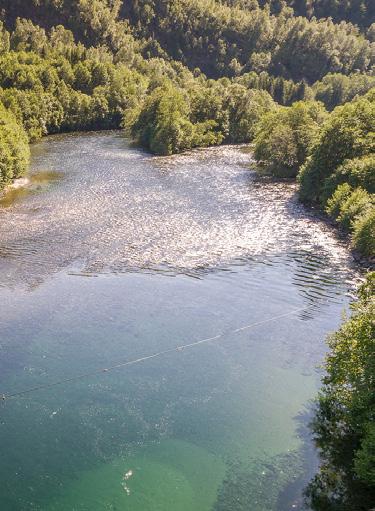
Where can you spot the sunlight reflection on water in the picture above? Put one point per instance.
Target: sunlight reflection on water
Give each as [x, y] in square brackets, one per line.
[116, 209]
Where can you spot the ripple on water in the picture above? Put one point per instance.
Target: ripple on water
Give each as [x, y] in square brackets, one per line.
[115, 208]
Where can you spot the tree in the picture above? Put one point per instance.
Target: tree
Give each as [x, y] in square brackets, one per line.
[163, 124]
[348, 205]
[285, 137]
[335, 88]
[347, 133]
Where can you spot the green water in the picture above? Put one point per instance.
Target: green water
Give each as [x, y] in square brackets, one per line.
[124, 256]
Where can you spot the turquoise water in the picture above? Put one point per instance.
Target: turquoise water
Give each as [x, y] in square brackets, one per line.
[121, 255]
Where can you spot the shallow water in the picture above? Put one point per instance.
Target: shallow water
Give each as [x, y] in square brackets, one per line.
[111, 255]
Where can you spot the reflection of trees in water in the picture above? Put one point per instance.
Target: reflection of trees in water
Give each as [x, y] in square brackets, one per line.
[258, 488]
[336, 487]
[318, 279]
[275, 483]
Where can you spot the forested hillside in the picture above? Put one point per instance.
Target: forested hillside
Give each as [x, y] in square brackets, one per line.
[225, 41]
[359, 12]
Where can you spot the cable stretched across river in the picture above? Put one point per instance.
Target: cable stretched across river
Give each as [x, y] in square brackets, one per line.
[148, 357]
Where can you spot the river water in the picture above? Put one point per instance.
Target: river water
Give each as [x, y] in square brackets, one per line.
[111, 255]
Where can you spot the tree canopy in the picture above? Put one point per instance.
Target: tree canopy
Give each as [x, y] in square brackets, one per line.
[285, 136]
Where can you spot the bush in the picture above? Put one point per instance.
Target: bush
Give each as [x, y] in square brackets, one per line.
[364, 233]
[39, 112]
[163, 123]
[335, 88]
[364, 463]
[341, 194]
[347, 205]
[245, 108]
[357, 204]
[355, 172]
[14, 148]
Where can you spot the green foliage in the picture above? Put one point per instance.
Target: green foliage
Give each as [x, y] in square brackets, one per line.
[4, 39]
[39, 113]
[163, 125]
[360, 12]
[14, 149]
[364, 463]
[347, 205]
[336, 89]
[334, 203]
[28, 37]
[343, 426]
[355, 172]
[285, 92]
[222, 38]
[340, 172]
[364, 233]
[245, 108]
[357, 204]
[349, 132]
[54, 93]
[232, 39]
[286, 136]
[234, 108]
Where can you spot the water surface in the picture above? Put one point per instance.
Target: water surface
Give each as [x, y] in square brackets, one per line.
[111, 255]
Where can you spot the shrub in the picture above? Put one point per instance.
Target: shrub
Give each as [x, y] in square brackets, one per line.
[341, 194]
[14, 148]
[355, 172]
[364, 233]
[346, 205]
[358, 203]
[163, 124]
[344, 422]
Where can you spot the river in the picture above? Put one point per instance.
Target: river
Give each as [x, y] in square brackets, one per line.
[111, 255]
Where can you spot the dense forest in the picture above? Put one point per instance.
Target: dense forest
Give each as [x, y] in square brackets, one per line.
[293, 78]
[358, 12]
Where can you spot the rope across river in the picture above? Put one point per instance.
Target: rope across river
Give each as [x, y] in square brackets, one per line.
[148, 357]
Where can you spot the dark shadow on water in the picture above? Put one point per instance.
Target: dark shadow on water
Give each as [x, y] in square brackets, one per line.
[291, 497]
[274, 484]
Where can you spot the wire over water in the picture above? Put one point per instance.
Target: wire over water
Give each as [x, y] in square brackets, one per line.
[148, 357]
